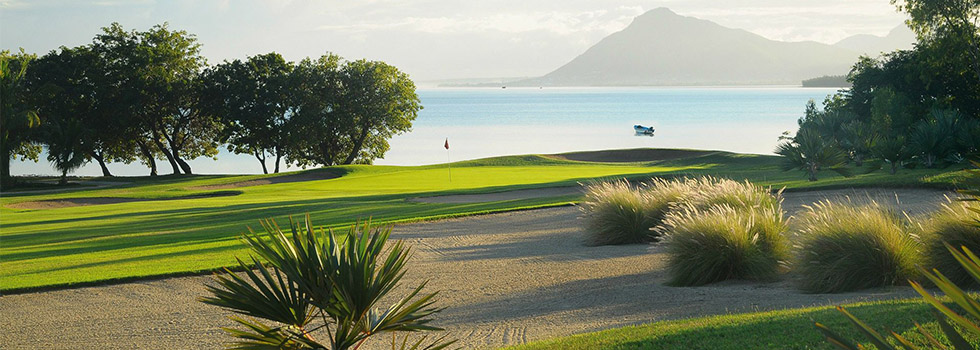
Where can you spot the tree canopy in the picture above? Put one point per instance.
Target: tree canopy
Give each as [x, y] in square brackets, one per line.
[150, 95]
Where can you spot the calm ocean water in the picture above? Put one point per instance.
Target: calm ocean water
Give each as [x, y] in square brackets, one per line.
[490, 122]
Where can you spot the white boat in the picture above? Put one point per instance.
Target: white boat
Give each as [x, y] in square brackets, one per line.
[643, 130]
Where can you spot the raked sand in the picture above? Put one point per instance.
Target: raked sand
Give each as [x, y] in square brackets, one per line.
[504, 279]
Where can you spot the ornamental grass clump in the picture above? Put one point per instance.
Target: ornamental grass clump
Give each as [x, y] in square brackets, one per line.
[620, 213]
[954, 224]
[709, 192]
[723, 242]
[844, 247]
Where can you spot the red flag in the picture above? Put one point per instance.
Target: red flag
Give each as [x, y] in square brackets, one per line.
[447, 144]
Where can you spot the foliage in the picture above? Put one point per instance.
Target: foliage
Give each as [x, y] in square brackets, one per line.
[254, 100]
[318, 276]
[954, 224]
[618, 213]
[65, 140]
[810, 152]
[844, 247]
[722, 242]
[934, 139]
[347, 111]
[158, 72]
[932, 20]
[17, 118]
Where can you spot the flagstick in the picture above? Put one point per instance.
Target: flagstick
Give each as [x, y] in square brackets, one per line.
[449, 163]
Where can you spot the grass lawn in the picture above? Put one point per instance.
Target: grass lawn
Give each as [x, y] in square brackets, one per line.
[112, 242]
[783, 329]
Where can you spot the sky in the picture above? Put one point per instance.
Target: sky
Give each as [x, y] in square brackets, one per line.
[429, 39]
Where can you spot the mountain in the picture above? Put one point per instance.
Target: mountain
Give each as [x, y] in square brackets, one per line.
[661, 47]
[900, 37]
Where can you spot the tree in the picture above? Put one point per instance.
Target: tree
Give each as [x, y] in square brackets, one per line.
[810, 152]
[318, 131]
[932, 19]
[18, 120]
[316, 276]
[158, 70]
[934, 139]
[254, 102]
[66, 140]
[381, 102]
[70, 84]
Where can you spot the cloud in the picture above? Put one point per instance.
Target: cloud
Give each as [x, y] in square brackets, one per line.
[557, 22]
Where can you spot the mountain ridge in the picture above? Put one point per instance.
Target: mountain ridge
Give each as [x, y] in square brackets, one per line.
[661, 47]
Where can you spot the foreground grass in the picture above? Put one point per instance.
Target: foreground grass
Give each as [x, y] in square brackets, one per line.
[112, 242]
[782, 329]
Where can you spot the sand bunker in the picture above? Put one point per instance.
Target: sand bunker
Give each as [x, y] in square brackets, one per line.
[78, 202]
[504, 279]
[631, 155]
[306, 176]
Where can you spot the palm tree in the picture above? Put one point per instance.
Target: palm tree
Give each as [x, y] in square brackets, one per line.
[65, 140]
[934, 139]
[856, 139]
[318, 277]
[809, 152]
[893, 150]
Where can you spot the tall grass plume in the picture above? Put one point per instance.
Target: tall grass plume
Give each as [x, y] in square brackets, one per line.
[622, 213]
[845, 247]
[723, 242]
[956, 224]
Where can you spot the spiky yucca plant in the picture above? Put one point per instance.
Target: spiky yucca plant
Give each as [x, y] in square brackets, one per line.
[844, 247]
[318, 280]
[722, 242]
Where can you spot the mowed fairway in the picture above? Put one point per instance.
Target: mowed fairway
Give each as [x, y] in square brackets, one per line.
[191, 224]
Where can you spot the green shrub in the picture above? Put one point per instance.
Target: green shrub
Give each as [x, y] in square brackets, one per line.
[620, 213]
[957, 225]
[722, 242]
[843, 247]
[708, 192]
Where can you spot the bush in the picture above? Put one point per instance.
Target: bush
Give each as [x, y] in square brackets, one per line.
[843, 247]
[312, 276]
[620, 213]
[957, 225]
[723, 242]
[708, 192]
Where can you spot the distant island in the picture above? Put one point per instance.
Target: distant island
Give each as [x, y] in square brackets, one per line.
[662, 48]
[828, 81]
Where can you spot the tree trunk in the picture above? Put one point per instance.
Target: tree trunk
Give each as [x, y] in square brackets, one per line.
[357, 145]
[858, 160]
[812, 171]
[64, 178]
[99, 158]
[170, 156]
[5, 179]
[150, 161]
[183, 165]
[278, 157]
[261, 157]
[894, 168]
